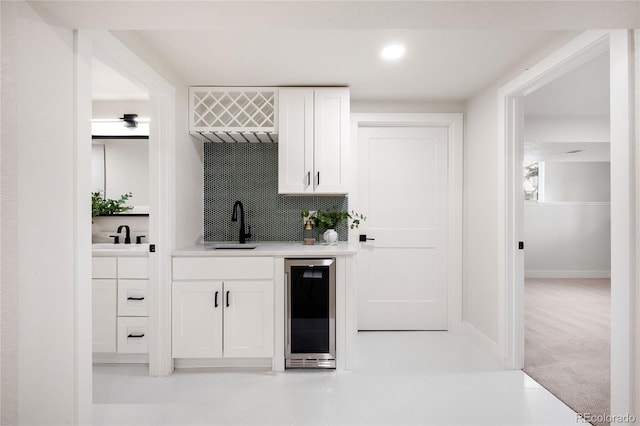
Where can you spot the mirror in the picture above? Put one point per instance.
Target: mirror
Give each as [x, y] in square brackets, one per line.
[121, 165]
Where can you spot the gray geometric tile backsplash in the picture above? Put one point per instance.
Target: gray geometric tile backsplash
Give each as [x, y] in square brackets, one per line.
[249, 172]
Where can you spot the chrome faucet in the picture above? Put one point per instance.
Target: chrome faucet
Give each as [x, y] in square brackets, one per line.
[234, 218]
[127, 237]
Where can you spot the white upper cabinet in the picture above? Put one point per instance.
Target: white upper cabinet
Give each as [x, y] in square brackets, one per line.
[313, 127]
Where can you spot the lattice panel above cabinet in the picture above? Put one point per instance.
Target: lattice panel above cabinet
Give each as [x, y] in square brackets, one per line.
[233, 114]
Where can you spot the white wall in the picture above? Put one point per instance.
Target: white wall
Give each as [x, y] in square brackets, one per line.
[189, 152]
[115, 109]
[361, 106]
[566, 129]
[577, 181]
[568, 233]
[38, 354]
[481, 306]
[567, 240]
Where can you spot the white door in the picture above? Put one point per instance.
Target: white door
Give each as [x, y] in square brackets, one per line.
[196, 319]
[402, 189]
[248, 319]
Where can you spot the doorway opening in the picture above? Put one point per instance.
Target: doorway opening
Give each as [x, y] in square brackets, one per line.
[566, 230]
[582, 49]
[111, 51]
[120, 175]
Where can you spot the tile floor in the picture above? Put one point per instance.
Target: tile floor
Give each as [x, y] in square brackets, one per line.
[400, 378]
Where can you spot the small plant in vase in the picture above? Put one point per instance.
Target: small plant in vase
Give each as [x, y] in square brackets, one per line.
[329, 219]
[101, 206]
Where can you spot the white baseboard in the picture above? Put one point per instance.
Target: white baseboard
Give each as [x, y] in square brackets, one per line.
[487, 345]
[223, 363]
[115, 358]
[567, 274]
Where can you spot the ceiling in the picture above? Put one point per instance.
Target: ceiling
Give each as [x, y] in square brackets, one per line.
[109, 85]
[581, 92]
[438, 64]
[454, 48]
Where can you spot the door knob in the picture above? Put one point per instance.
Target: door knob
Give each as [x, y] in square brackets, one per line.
[364, 238]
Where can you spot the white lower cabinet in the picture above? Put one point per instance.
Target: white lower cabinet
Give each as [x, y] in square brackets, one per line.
[248, 319]
[222, 318]
[196, 319]
[230, 319]
[104, 314]
[119, 303]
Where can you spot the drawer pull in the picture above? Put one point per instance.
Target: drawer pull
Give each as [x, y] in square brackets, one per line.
[137, 336]
[135, 298]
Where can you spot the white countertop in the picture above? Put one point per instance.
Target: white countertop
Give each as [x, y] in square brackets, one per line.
[129, 250]
[269, 248]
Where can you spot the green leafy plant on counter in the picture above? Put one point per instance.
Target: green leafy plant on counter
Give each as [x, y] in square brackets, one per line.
[101, 206]
[331, 218]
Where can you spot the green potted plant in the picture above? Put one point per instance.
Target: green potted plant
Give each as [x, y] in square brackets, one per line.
[101, 206]
[329, 219]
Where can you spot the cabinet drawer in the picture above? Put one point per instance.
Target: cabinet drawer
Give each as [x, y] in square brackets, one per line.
[133, 267]
[103, 267]
[132, 335]
[132, 298]
[222, 268]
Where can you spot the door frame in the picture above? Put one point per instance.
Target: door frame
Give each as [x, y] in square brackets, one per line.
[110, 50]
[453, 122]
[623, 221]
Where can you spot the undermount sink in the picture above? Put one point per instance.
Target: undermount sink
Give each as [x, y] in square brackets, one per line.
[232, 246]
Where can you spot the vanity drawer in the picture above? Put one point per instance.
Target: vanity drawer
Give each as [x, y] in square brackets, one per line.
[132, 298]
[132, 335]
[222, 268]
[103, 267]
[133, 267]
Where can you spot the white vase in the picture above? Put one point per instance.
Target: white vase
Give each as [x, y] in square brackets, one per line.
[330, 237]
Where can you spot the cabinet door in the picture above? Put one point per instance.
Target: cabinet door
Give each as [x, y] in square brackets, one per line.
[331, 141]
[295, 141]
[196, 319]
[248, 319]
[104, 315]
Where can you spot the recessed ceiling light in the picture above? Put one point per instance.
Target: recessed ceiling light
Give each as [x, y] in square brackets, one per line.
[392, 52]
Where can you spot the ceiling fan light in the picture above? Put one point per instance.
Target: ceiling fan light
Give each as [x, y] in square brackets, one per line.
[130, 120]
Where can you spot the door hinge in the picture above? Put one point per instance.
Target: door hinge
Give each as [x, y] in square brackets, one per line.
[520, 245]
[152, 248]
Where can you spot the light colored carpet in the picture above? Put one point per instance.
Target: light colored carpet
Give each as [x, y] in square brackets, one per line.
[567, 340]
